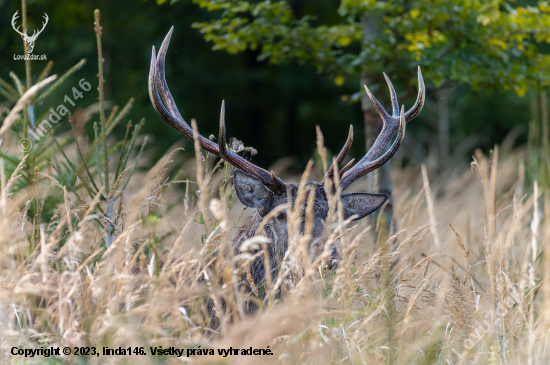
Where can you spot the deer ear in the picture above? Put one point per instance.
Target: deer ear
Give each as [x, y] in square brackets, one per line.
[361, 204]
[250, 190]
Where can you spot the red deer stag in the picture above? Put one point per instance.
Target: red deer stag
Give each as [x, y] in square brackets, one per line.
[260, 189]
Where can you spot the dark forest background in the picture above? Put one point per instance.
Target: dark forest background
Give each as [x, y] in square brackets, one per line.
[272, 108]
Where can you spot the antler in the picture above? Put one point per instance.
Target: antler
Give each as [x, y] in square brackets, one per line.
[35, 32]
[340, 157]
[166, 108]
[13, 19]
[393, 123]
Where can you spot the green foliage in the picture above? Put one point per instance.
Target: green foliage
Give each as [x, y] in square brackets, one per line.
[488, 44]
[46, 162]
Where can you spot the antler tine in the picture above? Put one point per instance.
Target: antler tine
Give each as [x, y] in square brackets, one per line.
[379, 108]
[281, 186]
[346, 168]
[161, 81]
[341, 156]
[268, 179]
[390, 126]
[355, 174]
[419, 104]
[393, 97]
[221, 135]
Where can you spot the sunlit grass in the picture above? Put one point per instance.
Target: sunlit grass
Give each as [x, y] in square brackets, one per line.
[459, 281]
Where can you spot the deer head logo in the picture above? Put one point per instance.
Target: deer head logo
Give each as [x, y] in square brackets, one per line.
[29, 40]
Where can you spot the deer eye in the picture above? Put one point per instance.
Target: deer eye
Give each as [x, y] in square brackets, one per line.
[281, 216]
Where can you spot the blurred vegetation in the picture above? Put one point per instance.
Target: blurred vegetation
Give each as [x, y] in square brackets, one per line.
[46, 161]
[474, 42]
[273, 108]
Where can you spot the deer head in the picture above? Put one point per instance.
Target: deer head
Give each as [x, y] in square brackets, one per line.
[260, 189]
[29, 40]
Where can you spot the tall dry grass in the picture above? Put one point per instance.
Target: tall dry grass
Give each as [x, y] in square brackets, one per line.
[461, 279]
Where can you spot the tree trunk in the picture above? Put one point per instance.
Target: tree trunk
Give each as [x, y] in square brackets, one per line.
[373, 126]
[443, 97]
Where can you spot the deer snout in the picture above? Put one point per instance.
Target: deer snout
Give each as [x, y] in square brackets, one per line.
[334, 258]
